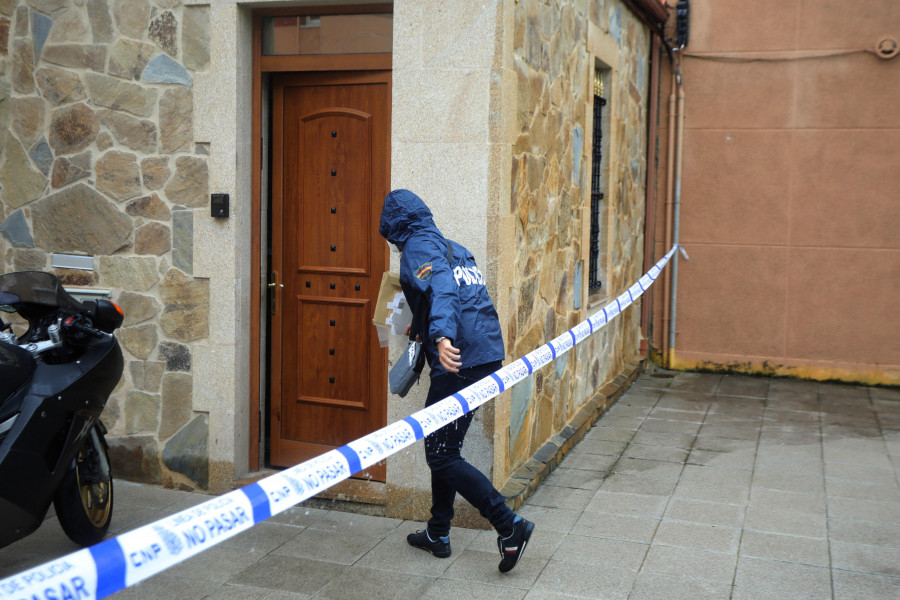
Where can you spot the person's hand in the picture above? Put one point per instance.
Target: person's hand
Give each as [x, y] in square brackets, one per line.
[406, 333]
[448, 355]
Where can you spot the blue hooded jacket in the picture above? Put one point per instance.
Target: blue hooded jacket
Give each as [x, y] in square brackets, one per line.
[442, 284]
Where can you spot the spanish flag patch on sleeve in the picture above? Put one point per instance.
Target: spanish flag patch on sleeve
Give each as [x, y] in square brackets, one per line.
[423, 273]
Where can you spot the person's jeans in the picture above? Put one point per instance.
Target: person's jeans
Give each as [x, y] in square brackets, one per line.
[450, 473]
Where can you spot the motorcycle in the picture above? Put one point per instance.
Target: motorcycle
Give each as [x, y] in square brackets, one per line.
[55, 379]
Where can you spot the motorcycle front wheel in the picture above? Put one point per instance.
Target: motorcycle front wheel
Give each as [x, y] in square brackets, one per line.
[84, 500]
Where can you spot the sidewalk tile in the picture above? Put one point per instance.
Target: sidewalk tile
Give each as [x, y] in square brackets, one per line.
[787, 522]
[726, 494]
[631, 484]
[652, 469]
[395, 554]
[289, 574]
[453, 589]
[666, 453]
[860, 473]
[706, 513]
[360, 583]
[653, 425]
[701, 536]
[777, 500]
[845, 488]
[865, 586]
[736, 385]
[576, 478]
[589, 462]
[616, 554]
[218, 564]
[617, 527]
[865, 558]
[481, 567]
[866, 510]
[651, 586]
[680, 440]
[603, 447]
[585, 580]
[865, 532]
[707, 475]
[552, 496]
[551, 519]
[789, 482]
[263, 537]
[632, 505]
[166, 587]
[743, 459]
[718, 444]
[788, 548]
[690, 562]
[783, 577]
[710, 430]
[612, 434]
[542, 545]
[327, 546]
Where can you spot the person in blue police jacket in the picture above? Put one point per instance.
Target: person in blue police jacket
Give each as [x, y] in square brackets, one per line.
[454, 318]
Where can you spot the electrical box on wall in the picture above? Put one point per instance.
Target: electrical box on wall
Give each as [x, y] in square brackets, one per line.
[219, 206]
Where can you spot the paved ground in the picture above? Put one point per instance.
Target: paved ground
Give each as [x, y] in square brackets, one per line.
[692, 486]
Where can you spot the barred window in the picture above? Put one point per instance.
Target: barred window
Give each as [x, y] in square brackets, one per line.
[594, 282]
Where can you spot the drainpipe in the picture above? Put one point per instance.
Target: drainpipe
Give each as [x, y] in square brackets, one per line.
[670, 196]
[673, 203]
[676, 218]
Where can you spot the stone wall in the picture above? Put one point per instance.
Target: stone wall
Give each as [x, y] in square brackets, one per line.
[98, 158]
[555, 46]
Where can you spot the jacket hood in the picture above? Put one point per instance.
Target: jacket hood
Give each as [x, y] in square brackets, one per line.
[403, 215]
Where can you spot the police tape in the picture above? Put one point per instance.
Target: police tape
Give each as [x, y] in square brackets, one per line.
[123, 561]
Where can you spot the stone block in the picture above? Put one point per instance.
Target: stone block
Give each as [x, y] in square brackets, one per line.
[186, 452]
[58, 86]
[189, 185]
[23, 67]
[195, 37]
[140, 341]
[155, 172]
[128, 58]
[69, 27]
[152, 238]
[121, 95]
[16, 230]
[28, 116]
[67, 170]
[163, 30]
[118, 176]
[135, 458]
[100, 21]
[175, 357]
[141, 413]
[76, 56]
[128, 273]
[137, 307]
[176, 118]
[137, 134]
[163, 69]
[21, 182]
[149, 207]
[177, 392]
[132, 17]
[72, 128]
[183, 240]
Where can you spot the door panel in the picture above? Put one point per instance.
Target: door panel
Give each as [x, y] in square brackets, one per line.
[330, 174]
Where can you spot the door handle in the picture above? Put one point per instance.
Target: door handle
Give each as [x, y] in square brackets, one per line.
[273, 298]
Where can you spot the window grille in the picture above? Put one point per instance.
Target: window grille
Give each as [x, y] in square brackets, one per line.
[594, 282]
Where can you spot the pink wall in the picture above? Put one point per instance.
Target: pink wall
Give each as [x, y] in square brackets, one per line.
[790, 191]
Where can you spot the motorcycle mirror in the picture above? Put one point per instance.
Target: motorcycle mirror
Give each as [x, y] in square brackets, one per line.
[6, 300]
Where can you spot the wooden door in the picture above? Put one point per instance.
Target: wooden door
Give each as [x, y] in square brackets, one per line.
[330, 174]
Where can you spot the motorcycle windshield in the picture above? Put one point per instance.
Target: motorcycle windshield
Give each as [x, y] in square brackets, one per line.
[36, 288]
